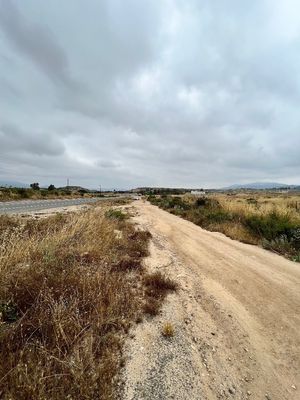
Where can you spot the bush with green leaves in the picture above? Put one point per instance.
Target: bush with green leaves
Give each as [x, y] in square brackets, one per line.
[270, 226]
[24, 193]
[116, 214]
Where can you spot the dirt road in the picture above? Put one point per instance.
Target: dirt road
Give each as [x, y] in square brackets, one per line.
[236, 318]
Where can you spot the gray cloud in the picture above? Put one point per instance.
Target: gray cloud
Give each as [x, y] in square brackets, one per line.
[150, 93]
[14, 139]
[37, 42]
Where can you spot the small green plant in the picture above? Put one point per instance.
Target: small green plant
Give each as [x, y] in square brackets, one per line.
[296, 258]
[168, 330]
[116, 214]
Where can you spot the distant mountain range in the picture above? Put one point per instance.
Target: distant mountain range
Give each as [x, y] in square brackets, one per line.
[13, 184]
[260, 185]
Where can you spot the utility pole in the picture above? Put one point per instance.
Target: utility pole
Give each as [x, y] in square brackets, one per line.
[68, 182]
[100, 188]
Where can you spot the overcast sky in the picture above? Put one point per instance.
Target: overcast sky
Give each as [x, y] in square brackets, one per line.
[126, 93]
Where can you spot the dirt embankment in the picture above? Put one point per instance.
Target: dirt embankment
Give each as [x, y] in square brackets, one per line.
[236, 318]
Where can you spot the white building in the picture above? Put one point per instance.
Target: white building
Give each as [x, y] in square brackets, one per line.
[198, 193]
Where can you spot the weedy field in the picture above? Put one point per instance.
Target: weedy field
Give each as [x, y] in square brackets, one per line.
[271, 220]
[70, 288]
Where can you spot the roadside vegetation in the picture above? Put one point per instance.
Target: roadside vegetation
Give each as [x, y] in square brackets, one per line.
[35, 193]
[70, 288]
[269, 220]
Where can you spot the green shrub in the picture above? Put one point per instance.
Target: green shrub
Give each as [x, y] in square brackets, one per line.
[218, 216]
[296, 258]
[207, 203]
[23, 193]
[116, 214]
[175, 202]
[269, 226]
[201, 202]
[293, 235]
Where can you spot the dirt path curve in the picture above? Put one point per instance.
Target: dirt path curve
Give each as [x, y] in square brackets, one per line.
[236, 319]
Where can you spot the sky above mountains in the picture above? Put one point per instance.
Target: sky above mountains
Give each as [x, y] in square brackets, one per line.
[150, 93]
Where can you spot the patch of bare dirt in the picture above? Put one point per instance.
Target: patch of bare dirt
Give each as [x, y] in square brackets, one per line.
[44, 213]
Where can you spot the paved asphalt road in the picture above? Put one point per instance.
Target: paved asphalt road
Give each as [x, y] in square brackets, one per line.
[25, 206]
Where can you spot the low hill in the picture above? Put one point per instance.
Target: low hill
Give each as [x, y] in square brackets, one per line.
[260, 185]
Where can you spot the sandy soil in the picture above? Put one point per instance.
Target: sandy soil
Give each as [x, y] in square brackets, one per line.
[47, 212]
[236, 318]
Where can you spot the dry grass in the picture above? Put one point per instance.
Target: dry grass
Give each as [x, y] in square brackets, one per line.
[261, 203]
[69, 290]
[271, 220]
[157, 286]
[168, 330]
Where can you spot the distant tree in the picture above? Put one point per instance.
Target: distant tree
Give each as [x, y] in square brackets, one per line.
[51, 187]
[35, 186]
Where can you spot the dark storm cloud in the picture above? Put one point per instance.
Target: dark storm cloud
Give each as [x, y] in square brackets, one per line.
[150, 93]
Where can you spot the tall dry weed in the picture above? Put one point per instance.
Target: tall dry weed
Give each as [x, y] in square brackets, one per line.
[66, 301]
